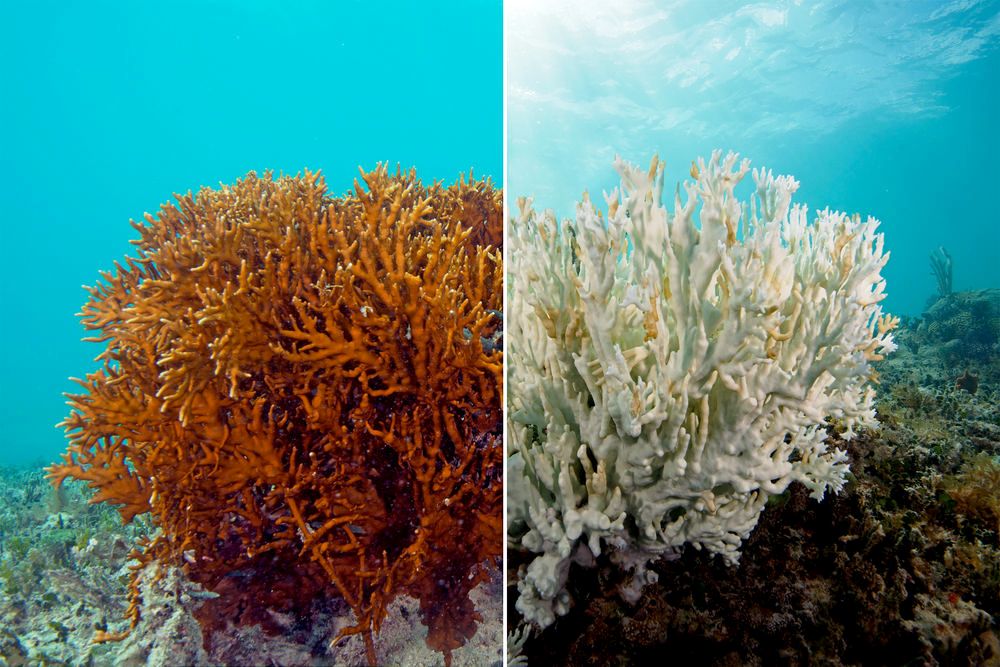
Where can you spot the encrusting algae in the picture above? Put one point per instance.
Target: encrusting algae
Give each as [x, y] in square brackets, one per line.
[305, 390]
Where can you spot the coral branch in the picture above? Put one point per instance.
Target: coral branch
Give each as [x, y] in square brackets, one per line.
[672, 370]
[306, 390]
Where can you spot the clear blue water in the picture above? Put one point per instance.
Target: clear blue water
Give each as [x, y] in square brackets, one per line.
[107, 108]
[888, 108]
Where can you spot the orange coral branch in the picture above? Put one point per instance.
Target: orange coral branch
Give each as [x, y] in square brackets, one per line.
[307, 389]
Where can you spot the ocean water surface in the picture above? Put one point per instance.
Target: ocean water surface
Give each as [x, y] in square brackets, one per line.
[877, 107]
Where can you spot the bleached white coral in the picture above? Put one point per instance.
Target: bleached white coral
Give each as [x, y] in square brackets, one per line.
[670, 371]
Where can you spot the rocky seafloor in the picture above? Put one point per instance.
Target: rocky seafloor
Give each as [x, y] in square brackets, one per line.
[64, 566]
[901, 568]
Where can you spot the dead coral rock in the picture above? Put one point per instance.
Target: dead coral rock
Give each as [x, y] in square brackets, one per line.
[304, 393]
[952, 626]
[168, 633]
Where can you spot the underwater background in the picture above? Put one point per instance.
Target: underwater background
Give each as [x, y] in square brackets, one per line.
[110, 110]
[110, 107]
[877, 107]
[884, 108]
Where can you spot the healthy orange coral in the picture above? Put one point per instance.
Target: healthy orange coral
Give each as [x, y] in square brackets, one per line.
[306, 390]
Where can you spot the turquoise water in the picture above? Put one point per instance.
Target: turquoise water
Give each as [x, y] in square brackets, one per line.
[107, 108]
[110, 107]
[878, 107]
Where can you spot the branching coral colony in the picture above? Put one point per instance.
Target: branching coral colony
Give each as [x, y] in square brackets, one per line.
[669, 372]
[304, 391]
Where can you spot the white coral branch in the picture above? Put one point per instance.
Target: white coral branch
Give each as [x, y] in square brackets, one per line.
[669, 371]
